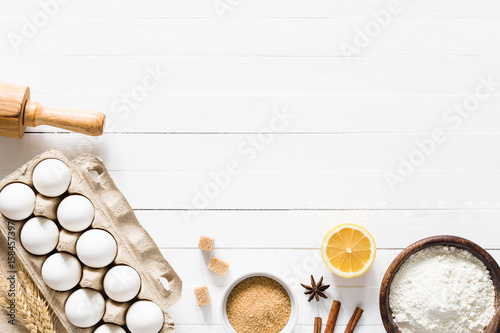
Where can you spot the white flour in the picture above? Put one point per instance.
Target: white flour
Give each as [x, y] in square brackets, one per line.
[442, 290]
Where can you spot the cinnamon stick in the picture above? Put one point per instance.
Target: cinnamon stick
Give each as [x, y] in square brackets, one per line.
[354, 320]
[317, 325]
[332, 317]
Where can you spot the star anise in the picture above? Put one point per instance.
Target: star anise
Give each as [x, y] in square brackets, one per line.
[316, 290]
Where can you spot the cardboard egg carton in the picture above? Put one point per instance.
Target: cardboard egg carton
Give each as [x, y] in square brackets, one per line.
[159, 282]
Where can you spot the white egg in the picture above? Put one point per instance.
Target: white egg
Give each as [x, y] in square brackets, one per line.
[75, 213]
[109, 328]
[96, 248]
[17, 201]
[61, 271]
[122, 283]
[51, 177]
[85, 307]
[39, 235]
[144, 317]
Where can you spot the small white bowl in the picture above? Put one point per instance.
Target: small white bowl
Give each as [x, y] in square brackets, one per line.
[294, 306]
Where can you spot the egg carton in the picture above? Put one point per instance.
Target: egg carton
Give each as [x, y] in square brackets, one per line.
[159, 282]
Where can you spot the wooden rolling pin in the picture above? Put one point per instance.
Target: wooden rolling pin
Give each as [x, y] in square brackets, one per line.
[17, 112]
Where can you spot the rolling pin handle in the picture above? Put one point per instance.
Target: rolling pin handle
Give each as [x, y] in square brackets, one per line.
[80, 121]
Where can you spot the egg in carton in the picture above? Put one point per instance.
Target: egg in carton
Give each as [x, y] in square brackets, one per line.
[127, 254]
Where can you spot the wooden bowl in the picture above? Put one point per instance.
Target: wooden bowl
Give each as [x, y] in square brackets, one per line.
[479, 252]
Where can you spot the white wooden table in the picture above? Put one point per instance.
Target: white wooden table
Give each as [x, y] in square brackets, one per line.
[358, 104]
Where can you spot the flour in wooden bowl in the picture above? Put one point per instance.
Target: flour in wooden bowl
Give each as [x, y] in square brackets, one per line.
[442, 289]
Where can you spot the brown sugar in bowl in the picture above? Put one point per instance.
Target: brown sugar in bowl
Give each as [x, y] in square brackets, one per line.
[288, 328]
[461, 243]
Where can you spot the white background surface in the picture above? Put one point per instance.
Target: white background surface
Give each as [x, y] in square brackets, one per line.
[354, 118]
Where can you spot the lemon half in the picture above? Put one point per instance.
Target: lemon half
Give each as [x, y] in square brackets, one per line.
[348, 250]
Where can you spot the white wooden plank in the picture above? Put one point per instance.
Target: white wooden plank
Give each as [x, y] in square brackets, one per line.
[188, 312]
[298, 189]
[319, 114]
[279, 152]
[191, 266]
[277, 229]
[250, 37]
[305, 189]
[297, 329]
[294, 266]
[255, 8]
[230, 76]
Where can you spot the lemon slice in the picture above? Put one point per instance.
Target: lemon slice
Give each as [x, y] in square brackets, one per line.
[348, 250]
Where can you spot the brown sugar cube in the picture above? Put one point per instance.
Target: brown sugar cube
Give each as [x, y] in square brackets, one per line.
[218, 266]
[206, 243]
[202, 295]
